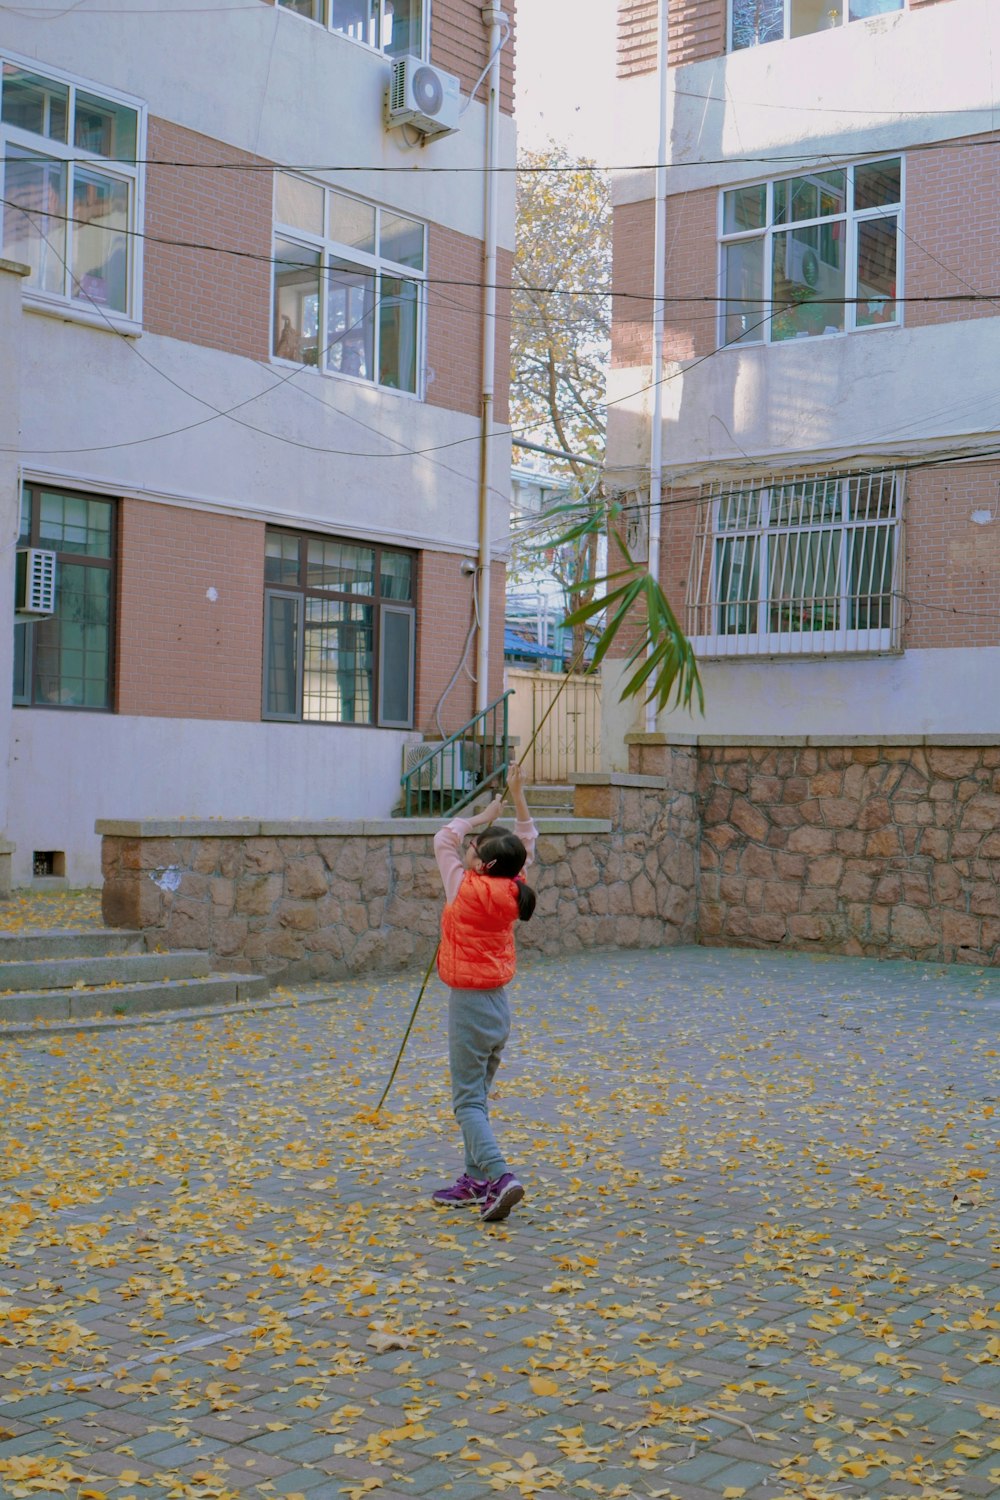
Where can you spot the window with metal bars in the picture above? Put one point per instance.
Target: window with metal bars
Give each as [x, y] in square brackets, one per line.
[798, 565]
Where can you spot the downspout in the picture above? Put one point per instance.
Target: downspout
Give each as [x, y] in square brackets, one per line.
[496, 21]
[659, 286]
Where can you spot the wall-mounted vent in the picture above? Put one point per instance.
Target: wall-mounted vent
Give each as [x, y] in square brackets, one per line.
[35, 588]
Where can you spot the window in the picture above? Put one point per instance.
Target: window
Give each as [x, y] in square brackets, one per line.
[70, 190]
[64, 659]
[753, 22]
[348, 285]
[811, 255]
[797, 565]
[395, 27]
[338, 631]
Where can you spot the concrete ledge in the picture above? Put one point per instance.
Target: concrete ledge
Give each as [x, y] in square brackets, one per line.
[827, 741]
[662, 739]
[619, 778]
[225, 828]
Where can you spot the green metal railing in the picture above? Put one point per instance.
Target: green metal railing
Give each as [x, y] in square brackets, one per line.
[454, 772]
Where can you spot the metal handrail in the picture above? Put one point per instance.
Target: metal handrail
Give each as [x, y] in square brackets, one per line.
[442, 782]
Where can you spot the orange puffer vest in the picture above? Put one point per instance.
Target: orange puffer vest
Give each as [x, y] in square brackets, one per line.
[477, 934]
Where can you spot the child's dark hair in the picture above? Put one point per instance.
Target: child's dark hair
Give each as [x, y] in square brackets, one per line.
[503, 854]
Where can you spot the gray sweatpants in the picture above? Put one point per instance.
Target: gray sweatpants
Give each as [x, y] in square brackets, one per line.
[478, 1027]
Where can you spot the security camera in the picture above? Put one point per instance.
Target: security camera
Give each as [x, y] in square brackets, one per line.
[467, 567]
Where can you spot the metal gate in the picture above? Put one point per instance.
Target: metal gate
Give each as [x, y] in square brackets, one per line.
[570, 737]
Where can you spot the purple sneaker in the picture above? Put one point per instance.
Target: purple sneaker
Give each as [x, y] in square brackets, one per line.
[500, 1198]
[466, 1190]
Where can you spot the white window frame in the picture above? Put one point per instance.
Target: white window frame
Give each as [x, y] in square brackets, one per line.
[65, 305]
[326, 22]
[712, 636]
[851, 218]
[845, 20]
[376, 265]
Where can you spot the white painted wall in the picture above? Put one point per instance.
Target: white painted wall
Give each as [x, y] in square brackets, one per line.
[67, 769]
[341, 440]
[866, 394]
[920, 692]
[883, 84]
[240, 73]
[11, 278]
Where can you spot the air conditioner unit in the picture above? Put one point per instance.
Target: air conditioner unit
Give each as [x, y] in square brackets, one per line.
[454, 772]
[35, 582]
[421, 96]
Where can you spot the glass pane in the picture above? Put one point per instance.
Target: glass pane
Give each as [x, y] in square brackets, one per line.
[820, 195]
[873, 497]
[72, 523]
[744, 208]
[106, 128]
[401, 28]
[757, 21]
[356, 18]
[397, 321]
[738, 510]
[21, 639]
[71, 650]
[34, 219]
[350, 320]
[313, 9]
[396, 576]
[870, 602]
[281, 653]
[34, 103]
[860, 10]
[24, 531]
[298, 203]
[876, 271]
[340, 566]
[352, 223]
[808, 16]
[877, 183]
[807, 503]
[808, 265]
[402, 240]
[338, 675]
[736, 571]
[281, 559]
[296, 303]
[805, 593]
[100, 240]
[397, 634]
[746, 317]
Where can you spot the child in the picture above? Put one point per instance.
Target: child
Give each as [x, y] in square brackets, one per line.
[485, 895]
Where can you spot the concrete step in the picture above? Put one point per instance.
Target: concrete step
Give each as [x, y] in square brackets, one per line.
[96, 942]
[549, 801]
[121, 968]
[131, 999]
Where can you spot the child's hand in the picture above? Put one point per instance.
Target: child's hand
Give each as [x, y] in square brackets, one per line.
[492, 812]
[515, 778]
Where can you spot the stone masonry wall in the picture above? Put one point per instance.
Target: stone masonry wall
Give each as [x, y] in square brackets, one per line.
[887, 850]
[312, 901]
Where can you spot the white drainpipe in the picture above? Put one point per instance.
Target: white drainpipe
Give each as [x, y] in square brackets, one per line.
[496, 21]
[659, 285]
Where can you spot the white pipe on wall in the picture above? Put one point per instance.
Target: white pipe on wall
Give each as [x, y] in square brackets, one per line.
[496, 21]
[659, 285]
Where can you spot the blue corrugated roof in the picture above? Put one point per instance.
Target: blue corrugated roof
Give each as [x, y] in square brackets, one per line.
[519, 645]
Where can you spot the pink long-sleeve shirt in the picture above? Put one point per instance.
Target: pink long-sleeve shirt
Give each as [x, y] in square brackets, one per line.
[448, 851]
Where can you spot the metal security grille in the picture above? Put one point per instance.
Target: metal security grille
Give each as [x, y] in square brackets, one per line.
[797, 565]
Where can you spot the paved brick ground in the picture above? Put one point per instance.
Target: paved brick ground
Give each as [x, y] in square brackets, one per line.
[758, 1257]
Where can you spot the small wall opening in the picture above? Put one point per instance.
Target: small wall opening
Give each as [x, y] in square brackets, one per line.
[48, 862]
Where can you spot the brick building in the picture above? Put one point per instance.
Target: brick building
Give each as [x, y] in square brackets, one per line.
[830, 514]
[247, 354]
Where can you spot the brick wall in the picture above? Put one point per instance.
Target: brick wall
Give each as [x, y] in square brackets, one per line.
[181, 654]
[205, 296]
[444, 616]
[459, 42]
[952, 579]
[951, 241]
[454, 324]
[633, 238]
[696, 31]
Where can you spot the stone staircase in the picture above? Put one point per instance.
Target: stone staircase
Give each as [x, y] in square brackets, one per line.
[65, 976]
[549, 801]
